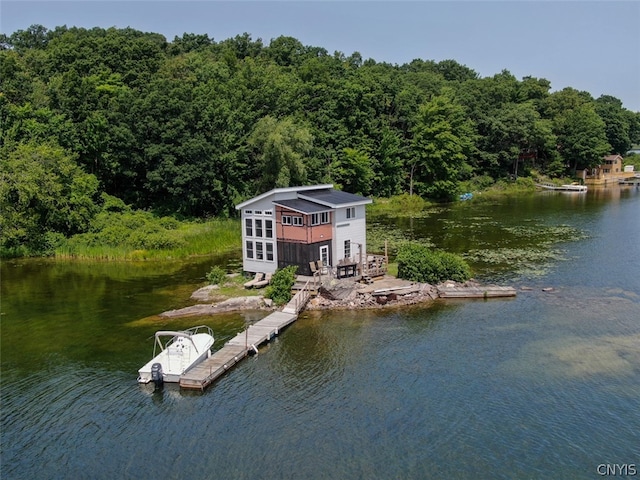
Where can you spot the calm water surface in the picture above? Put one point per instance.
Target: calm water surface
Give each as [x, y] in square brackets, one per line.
[546, 385]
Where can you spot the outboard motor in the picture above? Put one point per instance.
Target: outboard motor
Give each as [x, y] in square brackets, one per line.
[156, 374]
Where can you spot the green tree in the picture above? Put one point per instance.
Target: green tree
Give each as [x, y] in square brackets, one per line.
[617, 123]
[513, 129]
[582, 138]
[389, 154]
[442, 141]
[43, 191]
[353, 171]
[279, 147]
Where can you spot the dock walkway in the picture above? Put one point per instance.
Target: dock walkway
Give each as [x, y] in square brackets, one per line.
[563, 188]
[491, 291]
[208, 371]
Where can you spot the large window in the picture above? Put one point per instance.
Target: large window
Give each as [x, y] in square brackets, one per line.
[249, 249]
[292, 220]
[259, 252]
[268, 226]
[347, 249]
[269, 246]
[248, 227]
[351, 212]
[258, 228]
[319, 218]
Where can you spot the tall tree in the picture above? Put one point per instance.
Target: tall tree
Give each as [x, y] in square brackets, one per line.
[42, 191]
[279, 147]
[583, 139]
[353, 171]
[387, 165]
[442, 141]
[617, 124]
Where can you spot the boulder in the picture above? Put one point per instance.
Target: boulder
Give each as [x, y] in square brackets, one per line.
[204, 294]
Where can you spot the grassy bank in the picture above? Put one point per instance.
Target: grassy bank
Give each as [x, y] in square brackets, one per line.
[486, 187]
[141, 236]
[399, 205]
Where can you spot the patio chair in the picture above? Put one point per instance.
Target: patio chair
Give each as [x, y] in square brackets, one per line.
[251, 283]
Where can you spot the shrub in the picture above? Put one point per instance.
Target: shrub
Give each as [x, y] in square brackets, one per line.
[281, 283]
[216, 276]
[399, 205]
[407, 203]
[476, 184]
[418, 263]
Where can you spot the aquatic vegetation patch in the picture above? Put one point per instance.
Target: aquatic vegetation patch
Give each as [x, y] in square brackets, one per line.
[377, 233]
[475, 223]
[547, 234]
[529, 262]
[579, 357]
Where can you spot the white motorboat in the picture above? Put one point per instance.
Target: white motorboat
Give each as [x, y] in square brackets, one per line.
[178, 352]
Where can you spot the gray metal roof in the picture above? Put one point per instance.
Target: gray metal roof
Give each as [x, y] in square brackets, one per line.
[293, 191]
[302, 206]
[334, 198]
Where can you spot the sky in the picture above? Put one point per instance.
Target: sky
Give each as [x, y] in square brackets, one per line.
[591, 46]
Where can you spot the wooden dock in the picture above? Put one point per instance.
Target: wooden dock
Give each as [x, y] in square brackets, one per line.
[475, 292]
[208, 371]
[563, 188]
[631, 181]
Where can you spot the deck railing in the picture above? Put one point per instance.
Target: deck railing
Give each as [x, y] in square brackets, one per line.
[376, 265]
[300, 299]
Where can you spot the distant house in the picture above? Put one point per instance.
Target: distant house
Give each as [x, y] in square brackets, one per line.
[610, 169]
[300, 225]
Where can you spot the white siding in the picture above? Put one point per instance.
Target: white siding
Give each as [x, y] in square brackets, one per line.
[256, 265]
[353, 229]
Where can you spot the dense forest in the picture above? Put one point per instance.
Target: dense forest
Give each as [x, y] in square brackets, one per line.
[102, 118]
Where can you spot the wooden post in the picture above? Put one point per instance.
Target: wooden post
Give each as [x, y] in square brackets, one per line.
[386, 256]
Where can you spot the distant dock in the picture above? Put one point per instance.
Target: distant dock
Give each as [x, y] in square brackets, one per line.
[635, 181]
[208, 371]
[562, 188]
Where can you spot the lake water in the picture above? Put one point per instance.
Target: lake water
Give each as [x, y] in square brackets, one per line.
[545, 385]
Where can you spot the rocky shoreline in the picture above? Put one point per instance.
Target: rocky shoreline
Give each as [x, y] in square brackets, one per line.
[234, 304]
[361, 297]
[397, 293]
[344, 295]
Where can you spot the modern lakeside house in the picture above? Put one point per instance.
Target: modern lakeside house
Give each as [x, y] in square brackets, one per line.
[302, 225]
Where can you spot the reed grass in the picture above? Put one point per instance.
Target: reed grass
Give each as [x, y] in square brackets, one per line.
[404, 205]
[188, 239]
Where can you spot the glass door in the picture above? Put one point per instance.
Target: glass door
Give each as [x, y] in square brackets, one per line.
[324, 255]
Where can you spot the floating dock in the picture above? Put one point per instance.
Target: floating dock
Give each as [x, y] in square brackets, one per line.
[475, 292]
[563, 188]
[212, 368]
[635, 181]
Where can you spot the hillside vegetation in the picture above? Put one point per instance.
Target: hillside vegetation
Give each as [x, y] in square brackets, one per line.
[188, 128]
